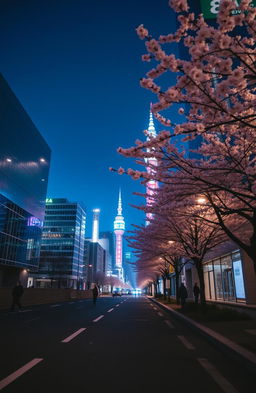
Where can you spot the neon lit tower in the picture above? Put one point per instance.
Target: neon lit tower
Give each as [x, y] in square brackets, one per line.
[119, 228]
[152, 185]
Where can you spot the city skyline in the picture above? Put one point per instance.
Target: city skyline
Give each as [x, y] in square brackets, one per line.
[69, 75]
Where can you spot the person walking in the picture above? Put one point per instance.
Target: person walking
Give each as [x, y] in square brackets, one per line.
[183, 294]
[196, 291]
[17, 292]
[95, 293]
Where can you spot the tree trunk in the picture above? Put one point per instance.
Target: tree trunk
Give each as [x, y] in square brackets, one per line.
[200, 272]
[164, 286]
[177, 284]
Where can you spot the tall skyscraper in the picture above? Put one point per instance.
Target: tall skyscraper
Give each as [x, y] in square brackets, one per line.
[62, 251]
[24, 167]
[95, 225]
[152, 185]
[119, 228]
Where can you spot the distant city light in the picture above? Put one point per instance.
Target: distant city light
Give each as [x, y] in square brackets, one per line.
[96, 210]
[42, 179]
[8, 159]
[42, 160]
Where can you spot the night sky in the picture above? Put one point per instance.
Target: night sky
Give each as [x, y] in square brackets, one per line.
[75, 66]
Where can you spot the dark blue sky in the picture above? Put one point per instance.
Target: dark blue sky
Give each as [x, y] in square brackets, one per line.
[75, 66]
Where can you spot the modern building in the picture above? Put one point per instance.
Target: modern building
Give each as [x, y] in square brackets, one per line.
[95, 263]
[106, 240]
[119, 228]
[62, 251]
[24, 168]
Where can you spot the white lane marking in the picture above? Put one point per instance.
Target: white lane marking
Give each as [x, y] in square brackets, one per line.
[69, 338]
[97, 319]
[55, 305]
[155, 308]
[251, 331]
[160, 314]
[216, 375]
[6, 381]
[186, 343]
[117, 305]
[169, 324]
[31, 320]
[25, 310]
[111, 309]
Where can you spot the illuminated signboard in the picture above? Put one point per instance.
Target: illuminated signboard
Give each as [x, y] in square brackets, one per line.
[34, 222]
[210, 8]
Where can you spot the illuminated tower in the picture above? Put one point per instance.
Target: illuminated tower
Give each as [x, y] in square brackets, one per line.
[95, 225]
[152, 185]
[119, 228]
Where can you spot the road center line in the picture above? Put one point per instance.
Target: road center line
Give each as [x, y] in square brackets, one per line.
[69, 338]
[218, 378]
[6, 381]
[97, 319]
[186, 343]
[160, 314]
[169, 324]
[111, 309]
[117, 305]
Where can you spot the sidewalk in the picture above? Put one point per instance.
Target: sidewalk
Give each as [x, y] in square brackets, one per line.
[237, 338]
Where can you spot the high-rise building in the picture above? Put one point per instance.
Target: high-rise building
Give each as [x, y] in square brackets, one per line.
[119, 228]
[62, 251]
[151, 162]
[24, 168]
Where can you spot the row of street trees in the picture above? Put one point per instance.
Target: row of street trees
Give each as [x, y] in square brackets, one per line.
[206, 195]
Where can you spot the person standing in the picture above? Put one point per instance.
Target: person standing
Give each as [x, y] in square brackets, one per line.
[95, 293]
[183, 294]
[196, 291]
[17, 292]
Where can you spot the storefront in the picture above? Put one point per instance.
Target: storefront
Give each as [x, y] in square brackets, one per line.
[224, 279]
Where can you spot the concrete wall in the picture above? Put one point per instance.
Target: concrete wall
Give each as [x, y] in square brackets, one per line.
[33, 296]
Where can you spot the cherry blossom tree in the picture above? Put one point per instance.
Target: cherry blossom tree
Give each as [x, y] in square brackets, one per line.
[215, 94]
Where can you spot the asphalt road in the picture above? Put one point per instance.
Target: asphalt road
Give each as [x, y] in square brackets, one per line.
[121, 345]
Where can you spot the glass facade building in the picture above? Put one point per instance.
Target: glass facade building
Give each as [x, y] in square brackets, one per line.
[223, 278]
[24, 168]
[62, 250]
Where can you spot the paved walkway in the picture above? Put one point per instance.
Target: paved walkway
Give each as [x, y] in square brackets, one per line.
[237, 336]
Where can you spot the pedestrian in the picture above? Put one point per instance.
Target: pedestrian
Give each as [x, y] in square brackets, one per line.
[196, 291]
[183, 294]
[95, 293]
[17, 292]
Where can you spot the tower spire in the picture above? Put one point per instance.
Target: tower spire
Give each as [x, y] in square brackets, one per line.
[151, 126]
[119, 209]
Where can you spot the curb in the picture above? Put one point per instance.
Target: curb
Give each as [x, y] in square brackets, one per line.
[247, 358]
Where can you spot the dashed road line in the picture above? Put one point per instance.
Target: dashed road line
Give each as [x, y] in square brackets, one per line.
[250, 331]
[169, 324]
[55, 305]
[16, 374]
[223, 383]
[117, 305]
[97, 319]
[186, 343]
[69, 338]
[160, 314]
[25, 310]
[111, 309]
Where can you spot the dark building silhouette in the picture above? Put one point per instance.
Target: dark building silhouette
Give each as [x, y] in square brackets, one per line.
[24, 168]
